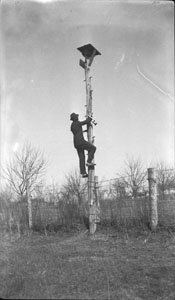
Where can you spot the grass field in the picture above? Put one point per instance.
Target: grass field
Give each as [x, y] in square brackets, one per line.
[108, 265]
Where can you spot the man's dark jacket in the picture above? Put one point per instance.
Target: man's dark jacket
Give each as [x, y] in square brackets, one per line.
[76, 128]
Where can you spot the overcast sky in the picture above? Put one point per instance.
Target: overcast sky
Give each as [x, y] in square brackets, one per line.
[132, 81]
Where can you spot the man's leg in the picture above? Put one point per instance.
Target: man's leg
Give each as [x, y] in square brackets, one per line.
[81, 161]
[91, 150]
[91, 153]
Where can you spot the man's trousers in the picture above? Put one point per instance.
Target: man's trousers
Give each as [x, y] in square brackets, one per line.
[80, 150]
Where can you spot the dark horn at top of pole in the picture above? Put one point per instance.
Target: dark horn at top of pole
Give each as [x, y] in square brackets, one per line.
[88, 50]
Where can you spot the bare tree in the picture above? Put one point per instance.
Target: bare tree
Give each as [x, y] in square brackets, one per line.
[73, 199]
[25, 170]
[165, 178]
[119, 188]
[74, 188]
[5, 197]
[133, 176]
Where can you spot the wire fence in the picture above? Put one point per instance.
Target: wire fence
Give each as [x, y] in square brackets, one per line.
[54, 210]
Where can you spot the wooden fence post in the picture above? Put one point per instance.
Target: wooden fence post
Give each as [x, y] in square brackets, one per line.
[153, 198]
[29, 204]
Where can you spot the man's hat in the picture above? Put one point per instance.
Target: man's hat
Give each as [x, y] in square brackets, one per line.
[73, 116]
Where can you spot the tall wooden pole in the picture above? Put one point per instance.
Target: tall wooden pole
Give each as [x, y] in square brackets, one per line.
[89, 112]
[153, 198]
[91, 170]
[89, 53]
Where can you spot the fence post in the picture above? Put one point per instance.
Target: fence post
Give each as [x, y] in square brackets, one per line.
[29, 204]
[152, 198]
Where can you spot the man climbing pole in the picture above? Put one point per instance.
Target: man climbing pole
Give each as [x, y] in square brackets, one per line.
[81, 144]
